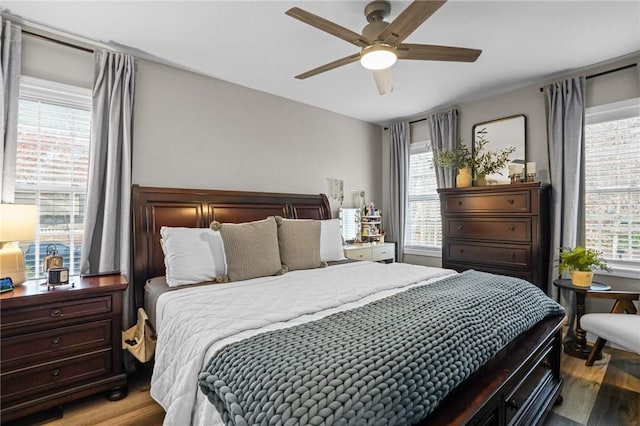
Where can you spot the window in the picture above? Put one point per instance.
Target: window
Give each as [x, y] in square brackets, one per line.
[52, 166]
[423, 227]
[612, 182]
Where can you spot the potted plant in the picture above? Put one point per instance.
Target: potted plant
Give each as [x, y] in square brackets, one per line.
[483, 163]
[581, 262]
[487, 163]
[459, 159]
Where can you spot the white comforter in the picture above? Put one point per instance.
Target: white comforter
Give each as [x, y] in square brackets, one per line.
[195, 322]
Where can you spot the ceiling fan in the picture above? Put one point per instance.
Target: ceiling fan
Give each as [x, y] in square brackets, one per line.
[381, 42]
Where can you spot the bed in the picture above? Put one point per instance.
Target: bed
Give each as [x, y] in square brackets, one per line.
[517, 385]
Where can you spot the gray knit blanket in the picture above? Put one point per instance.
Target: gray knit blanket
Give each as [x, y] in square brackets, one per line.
[386, 363]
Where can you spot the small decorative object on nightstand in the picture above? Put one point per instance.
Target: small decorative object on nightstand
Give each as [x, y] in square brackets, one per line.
[58, 346]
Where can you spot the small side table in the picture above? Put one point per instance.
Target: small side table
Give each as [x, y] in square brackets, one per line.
[579, 347]
[623, 303]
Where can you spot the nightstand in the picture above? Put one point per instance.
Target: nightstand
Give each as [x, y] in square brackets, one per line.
[376, 252]
[60, 345]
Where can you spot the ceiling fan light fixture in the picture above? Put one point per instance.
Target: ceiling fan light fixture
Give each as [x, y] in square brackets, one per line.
[378, 57]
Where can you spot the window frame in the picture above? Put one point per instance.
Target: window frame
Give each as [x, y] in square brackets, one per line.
[70, 96]
[420, 147]
[620, 110]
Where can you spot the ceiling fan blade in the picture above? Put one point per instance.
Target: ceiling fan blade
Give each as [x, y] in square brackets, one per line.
[384, 80]
[328, 26]
[428, 52]
[408, 20]
[331, 65]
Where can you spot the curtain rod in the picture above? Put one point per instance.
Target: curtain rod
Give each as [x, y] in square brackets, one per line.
[605, 72]
[411, 122]
[54, 40]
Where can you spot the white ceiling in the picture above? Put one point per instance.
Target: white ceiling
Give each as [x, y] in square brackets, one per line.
[254, 44]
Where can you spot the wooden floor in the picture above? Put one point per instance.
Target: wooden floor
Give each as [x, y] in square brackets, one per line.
[606, 394]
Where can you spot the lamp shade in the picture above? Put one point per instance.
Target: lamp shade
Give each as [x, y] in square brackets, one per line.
[17, 222]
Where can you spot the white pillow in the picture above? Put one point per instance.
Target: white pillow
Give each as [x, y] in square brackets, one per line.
[192, 255]
[331, 241]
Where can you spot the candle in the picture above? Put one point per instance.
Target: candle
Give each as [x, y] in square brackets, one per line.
[515, 169]
[531, 168]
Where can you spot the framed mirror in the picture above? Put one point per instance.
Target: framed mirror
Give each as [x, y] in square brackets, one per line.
[502, 134]
[349, 224]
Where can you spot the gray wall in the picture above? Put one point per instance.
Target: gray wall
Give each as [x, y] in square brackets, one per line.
[193, 131]
[198, 132]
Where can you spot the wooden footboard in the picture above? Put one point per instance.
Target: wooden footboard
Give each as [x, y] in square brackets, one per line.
[517, 387]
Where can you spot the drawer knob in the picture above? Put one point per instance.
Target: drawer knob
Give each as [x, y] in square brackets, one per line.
[55, 341]
[460, 227]
[510, 201]
[459, 202]
[56, 312]
[460, 250]
[512, 228]
[512, 256]
[55, 373]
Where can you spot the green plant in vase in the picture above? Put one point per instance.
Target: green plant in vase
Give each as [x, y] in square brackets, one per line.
[460, 159]
[490, 162]
[580, 262]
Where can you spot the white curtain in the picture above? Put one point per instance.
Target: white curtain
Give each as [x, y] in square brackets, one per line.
[444, 137]
[107, 230]
[10, 53]
[398, 184]
[565, 125]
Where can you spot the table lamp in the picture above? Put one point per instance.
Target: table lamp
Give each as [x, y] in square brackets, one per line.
[17, 223]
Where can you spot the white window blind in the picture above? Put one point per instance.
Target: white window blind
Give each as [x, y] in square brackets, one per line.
[423, 227]
[52, 167]
[612, 182]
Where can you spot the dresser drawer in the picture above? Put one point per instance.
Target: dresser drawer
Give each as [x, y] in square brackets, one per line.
[516, 202]
[514, 255]
[519, 401]
[20, 350]
[490, 229]
[363, 253]
[47, 377]
[383, 252]
[55, 312]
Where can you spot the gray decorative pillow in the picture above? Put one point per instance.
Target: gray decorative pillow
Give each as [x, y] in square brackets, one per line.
[251, 248]
[299, 242]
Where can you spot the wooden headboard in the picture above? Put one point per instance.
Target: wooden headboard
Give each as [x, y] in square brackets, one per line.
[196, 208]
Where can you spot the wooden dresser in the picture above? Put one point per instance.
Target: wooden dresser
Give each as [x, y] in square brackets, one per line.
[503, 229]
[61, 344]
